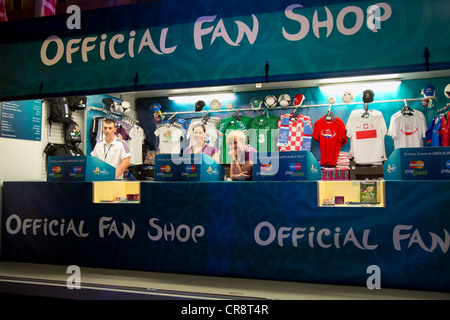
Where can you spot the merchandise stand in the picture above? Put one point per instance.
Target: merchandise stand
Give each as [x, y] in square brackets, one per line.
[301, 218]
[266, 230]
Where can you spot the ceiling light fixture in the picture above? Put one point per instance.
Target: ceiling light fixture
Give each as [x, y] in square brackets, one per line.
[222, 96]
[357, 88]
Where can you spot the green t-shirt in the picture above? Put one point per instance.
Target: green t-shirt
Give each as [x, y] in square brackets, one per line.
[225, 127]
[263, 133]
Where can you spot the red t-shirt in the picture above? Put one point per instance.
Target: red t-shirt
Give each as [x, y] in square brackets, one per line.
[445, 131]
[331, 136]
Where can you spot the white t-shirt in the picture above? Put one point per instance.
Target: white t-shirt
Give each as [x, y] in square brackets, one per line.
[112, 153]
[408, 131]
[212, 132]
[137, 137]
[367, 137]
[169, 139]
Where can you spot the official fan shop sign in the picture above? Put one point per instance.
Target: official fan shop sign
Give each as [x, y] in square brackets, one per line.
[164, 44]
[269, 230]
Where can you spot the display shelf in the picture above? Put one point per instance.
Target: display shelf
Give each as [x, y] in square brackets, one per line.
[368, 193]
[116, 192]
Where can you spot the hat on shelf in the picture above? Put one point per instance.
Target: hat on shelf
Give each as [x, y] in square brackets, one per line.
[367, 96]
[199, 105]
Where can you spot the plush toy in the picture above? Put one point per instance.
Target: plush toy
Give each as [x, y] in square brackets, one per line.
[157, 114]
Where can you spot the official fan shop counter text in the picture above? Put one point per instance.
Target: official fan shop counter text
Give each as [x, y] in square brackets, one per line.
[259, 229]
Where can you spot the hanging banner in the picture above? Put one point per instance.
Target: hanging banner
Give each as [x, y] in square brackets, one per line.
[164, 44]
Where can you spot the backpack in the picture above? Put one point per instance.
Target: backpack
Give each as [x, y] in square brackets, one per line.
[57, 149]
[77, 102]
[72, 133]
[59, 110]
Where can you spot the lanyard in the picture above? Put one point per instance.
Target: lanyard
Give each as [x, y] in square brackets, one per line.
[107, 151]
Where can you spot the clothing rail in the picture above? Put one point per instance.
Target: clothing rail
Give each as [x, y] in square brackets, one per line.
[293, 107]
[119, 116]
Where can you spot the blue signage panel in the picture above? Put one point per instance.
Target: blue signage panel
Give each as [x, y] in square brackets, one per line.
[21, 119]
[431, 163]
[268, 230]
[286, 166]
[187, 167]
[81, 168]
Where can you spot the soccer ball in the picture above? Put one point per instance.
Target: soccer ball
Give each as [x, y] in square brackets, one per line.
[270, 101]
[284, 100]
[331, 100]
[229, 105]
[125, 107]
[347, 96]
[215, 104]
[114, 107]
[447, 91]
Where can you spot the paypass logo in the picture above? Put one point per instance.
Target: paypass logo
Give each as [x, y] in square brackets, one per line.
[447, 164]
[266, 167]
[190, 168]
[165, 168]
[416, 164]
[56, 169]
[77, 169]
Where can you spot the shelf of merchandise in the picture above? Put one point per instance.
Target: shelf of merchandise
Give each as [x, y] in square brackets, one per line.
[116, 192]
[351, 193]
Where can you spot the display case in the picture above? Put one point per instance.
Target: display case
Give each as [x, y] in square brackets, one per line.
[368, 193]
[116, 192]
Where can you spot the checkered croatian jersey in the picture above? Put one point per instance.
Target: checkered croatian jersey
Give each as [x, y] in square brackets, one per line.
[300, 133]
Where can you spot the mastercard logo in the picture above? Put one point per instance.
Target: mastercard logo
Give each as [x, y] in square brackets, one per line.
[190, 168]
[165, 168]
[77, 169]
[295, 166]
[416, 164]
[56, 169]
[266, 167]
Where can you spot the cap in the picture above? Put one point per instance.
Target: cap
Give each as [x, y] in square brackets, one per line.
[199, 105]
[256, 103]
[155, 107]
[298, 99]
[367, 96]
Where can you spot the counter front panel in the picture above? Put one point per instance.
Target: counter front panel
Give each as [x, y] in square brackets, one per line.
[269, 230]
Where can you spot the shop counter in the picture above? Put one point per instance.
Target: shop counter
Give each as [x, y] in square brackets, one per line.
[266, 230]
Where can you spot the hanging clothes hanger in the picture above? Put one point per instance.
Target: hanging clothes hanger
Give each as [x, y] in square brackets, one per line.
[236, 115]
[406, 110]
[329, 116]
[206, 117]
[366, 113]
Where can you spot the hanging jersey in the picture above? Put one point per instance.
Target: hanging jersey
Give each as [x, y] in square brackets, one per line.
[367, 137]
[135, 142]
[445, 131]
[298, 130]
[169, 139]
[263, 133]
[331, 136]
[225, 127]
[407, 131]
[433, 134]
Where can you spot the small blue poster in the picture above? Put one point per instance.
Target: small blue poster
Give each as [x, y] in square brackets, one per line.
[21, 119]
